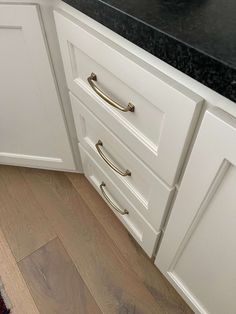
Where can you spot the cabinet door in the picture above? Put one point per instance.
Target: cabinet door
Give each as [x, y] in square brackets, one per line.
[198, 250]
[32, 127]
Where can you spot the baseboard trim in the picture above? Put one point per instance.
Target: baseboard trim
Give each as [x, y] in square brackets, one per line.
[30, 157]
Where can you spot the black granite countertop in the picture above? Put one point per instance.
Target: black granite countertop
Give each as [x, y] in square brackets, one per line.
[198, 37]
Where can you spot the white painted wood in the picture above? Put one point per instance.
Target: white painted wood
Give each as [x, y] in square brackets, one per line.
[198, 250]
[140, 229]
[32, 128]
[46, 11]
[150, 196]
[152, 64]
[165, 112]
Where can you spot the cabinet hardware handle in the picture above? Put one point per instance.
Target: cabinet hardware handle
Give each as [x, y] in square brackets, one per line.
[120, 211]
[110, 164]
[93, 78]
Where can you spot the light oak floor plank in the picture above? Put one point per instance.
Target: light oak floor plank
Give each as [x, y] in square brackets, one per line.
[14, 284]
[151, 277]
[23, 222]
[110, 279]
[55, 283]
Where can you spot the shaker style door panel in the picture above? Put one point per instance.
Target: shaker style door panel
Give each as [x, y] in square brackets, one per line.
[155, 115]
[32, 127]
[198, 250]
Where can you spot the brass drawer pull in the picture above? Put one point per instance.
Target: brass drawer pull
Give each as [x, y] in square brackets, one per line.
[120, 211]
[93, 78]
[110, 164]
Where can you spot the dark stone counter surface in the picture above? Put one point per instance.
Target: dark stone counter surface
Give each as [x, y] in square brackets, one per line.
[198, 37]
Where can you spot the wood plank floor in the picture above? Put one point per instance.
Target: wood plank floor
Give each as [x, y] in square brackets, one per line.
[55, 282]
[26, 227]
[14, 284]
[77, 257]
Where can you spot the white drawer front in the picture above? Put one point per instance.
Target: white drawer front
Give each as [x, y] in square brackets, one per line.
[144, 189]
[165, 111]
[141, 230]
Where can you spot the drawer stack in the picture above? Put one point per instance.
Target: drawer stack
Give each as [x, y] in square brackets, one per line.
[133, 125]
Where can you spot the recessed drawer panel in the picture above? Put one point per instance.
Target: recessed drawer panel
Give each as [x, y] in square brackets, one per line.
[145, 190]
[164, 112]
[141, 230]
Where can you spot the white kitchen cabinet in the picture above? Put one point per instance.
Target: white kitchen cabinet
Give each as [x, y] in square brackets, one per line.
[164, 112]
[143, 128]
[198, 250]
[198, 246]
[32, 126]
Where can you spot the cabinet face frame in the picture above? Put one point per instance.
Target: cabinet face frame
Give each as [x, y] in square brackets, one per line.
[166, 152]
[213, 155]
[34, 133]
